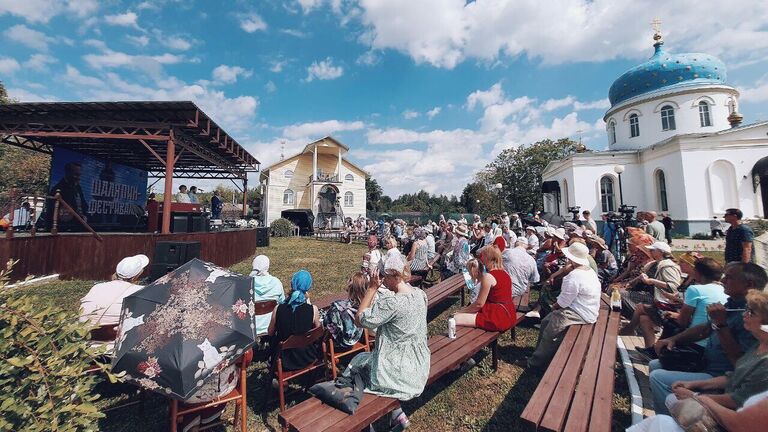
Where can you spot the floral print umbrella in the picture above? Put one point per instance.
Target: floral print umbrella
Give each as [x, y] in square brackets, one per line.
[184, 327]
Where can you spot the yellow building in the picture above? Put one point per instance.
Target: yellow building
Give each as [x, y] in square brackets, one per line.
[320, 179]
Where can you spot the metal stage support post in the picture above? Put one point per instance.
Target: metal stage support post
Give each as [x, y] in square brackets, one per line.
[245, 197]
[170, 160]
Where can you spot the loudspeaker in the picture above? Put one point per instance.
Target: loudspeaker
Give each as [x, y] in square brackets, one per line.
[197, 223]
[179, 223]
[175, 253]
[262, 237]
[159, 270]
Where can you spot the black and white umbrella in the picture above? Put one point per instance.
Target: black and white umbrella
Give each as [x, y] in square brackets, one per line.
[185, 326]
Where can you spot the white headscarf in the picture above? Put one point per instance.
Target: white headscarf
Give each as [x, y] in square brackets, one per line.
[260, 266]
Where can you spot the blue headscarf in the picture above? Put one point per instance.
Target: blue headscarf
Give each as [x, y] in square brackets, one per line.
[300, 284]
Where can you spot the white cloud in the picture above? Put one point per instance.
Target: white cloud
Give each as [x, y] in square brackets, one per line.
[39, 62]
[8, 65]
[368, 58]
[228, 74]
[270, 87]
[141, 41]
[410, 114]
[126, 19]
[294, 33]
[444, 33]
[176, 43]
[31, 38]
[433, 112]
[114, 59]
[252, 22]
[324, 70]
[308, 5]
[23, 95]
[41, 11]
[314, 130]
[277, 66]
[147, 6]
[602, 104]
[485, 97]
[757, 93]
[553, 104]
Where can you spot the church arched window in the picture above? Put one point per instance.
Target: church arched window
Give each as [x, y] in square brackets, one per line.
[349, 177]
[288, 197]
[607, 196]
[349, 199]
[612, 132]
[288, 174]
[634, 126]
[704, 114]
[667, 118]
[661, 184]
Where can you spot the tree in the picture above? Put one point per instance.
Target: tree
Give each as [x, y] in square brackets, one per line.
[476, 198]
[519, 171]
[25, 170]
[373, 194]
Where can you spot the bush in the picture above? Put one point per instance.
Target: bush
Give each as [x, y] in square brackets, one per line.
[282, 228]
[45, 353]
[759, 226]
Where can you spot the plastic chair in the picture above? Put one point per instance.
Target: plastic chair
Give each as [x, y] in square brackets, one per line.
[179, 409]
[296, 341]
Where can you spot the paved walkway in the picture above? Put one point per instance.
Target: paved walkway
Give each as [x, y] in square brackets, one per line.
[698, 245]
[640, 369]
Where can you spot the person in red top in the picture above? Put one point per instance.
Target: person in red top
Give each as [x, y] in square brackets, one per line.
[493, 310]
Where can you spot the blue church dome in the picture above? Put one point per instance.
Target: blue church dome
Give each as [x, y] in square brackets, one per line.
[667, 71]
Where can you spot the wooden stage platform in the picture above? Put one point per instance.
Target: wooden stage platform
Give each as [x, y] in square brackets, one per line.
[82, 256]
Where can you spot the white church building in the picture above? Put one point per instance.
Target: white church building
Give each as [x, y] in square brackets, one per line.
[675, 144]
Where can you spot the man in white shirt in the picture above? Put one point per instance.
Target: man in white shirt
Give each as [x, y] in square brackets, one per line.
[578, 303]
[103, 303]
[182, 196]
[533, 240]
[505, 219]
[521, 267]
[21, 216]
[589, 223]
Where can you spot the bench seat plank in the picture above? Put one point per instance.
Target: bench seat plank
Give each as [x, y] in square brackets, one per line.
[602, 407]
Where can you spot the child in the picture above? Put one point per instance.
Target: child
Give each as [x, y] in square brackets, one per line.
[472, 278]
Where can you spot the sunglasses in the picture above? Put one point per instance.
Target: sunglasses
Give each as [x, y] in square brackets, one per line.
[749, 312]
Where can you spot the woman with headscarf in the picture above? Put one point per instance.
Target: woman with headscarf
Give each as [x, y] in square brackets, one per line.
[296, 317]
[265, 287]
[419, 254]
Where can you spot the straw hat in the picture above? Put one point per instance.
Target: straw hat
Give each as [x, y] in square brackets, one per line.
[578, 253]
[461, 230]
[559, 233]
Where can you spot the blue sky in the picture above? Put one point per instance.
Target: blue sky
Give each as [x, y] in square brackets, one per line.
[424, 92]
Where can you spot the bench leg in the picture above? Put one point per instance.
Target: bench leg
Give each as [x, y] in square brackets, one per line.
[513, 334]
[462, 296]
[495, 355]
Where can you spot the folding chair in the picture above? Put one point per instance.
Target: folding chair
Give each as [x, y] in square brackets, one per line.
[296, 341]
[264, 307]
[334, 357]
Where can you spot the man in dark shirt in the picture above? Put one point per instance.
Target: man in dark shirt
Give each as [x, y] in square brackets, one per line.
[668, 225]
[727, 339]
[738, 238]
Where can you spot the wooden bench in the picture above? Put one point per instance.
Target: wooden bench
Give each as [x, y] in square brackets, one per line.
[575, 394]
[446, 355]
[520, 303]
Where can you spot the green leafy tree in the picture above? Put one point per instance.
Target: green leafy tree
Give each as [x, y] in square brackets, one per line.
[373, 195]
[45, 354]
[26, 171]
[519, 171]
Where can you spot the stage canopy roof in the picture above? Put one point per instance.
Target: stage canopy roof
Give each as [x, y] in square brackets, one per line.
[130, 133]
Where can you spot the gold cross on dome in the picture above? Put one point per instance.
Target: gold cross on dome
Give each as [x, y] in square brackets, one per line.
[656, 25]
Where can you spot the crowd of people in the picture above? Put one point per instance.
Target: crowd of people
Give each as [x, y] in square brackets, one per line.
[713, 318]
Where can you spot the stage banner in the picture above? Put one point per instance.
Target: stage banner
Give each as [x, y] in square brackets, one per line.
[110, 196]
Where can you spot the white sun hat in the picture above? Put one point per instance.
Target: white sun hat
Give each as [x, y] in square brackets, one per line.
[130, 267]
[578, 253]
[660, 246]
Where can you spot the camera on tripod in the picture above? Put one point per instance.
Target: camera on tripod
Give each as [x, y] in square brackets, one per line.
[575, 212]
[623, 216]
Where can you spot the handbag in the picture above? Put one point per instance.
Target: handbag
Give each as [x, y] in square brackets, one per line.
[689, 358]
[693, 416]
[343, 394]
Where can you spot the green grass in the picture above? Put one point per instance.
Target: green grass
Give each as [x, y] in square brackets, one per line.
[478, 400]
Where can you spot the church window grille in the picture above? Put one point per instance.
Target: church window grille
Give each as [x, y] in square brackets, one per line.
[288, 197]
[349, 199]
[661, 181]
[634, 126]
[288, 174]
[667, 118]
[612, 133]
[607, 197]
[704, 115]
[349, 177]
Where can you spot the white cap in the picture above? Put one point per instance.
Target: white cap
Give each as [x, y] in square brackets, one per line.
[260, 265]
[578, 253]
[660, 246]
[130, 267]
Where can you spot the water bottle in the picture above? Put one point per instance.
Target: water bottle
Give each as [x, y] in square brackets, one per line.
[452, 328]
[616, 300]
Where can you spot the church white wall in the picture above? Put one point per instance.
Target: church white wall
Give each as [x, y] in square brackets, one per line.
[671, 163]
[686, 116]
